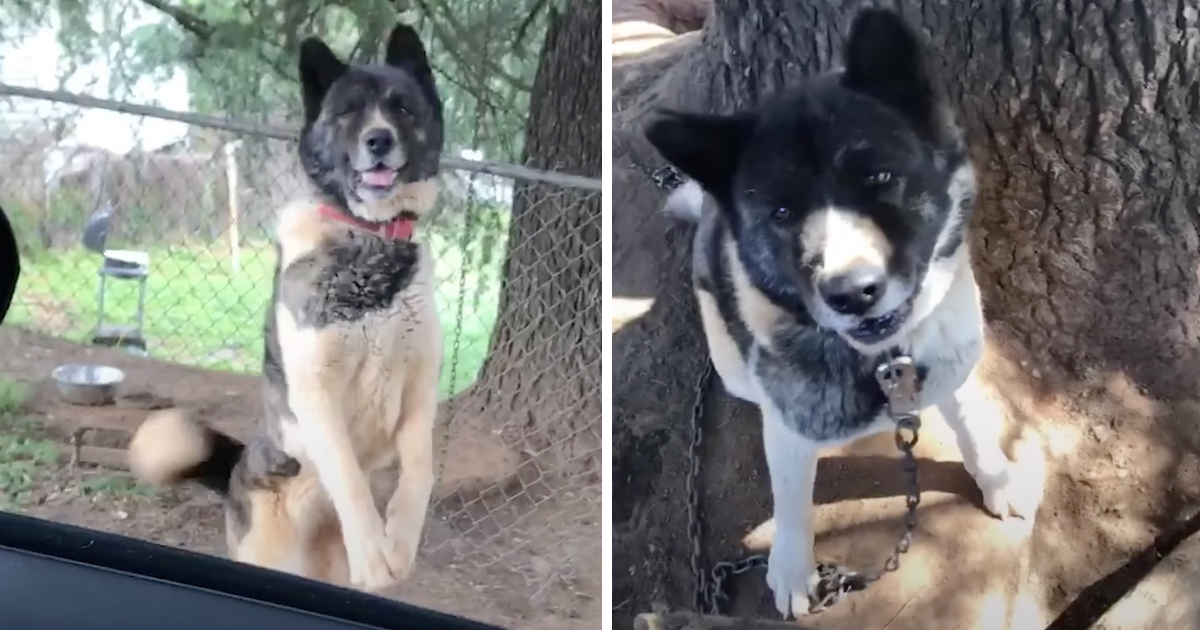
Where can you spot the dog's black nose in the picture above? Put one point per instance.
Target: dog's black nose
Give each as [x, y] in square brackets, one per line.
[379, 142]
[855, 290]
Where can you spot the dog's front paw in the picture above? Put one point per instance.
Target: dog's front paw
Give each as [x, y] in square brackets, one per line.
[370, 565]
[402, 553]
[791, 572]
[1006, 493]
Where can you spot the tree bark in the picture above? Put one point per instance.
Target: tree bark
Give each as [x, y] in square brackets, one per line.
[1083, 123]
[540, 386]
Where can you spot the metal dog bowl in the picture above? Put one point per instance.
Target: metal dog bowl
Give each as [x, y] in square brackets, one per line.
[84, 384]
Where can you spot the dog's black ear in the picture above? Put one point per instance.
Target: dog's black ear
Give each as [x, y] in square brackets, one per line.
[887, 60]
[705, 147]
[404, 46]
[405, 50]
[319, 68]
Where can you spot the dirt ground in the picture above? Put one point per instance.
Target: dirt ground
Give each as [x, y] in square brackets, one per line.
[1120, 472]
[517, 561]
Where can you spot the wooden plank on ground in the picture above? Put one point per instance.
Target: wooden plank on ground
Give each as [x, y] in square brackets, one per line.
[1165, 599]
[694, 621]
[114, 458]
[104, 418]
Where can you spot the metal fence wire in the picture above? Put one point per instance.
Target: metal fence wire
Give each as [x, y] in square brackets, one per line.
[193, 199]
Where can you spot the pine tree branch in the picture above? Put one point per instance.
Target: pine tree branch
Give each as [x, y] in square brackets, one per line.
[187, 20]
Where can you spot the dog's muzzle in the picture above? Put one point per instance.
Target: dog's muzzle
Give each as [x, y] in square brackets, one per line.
[379, 142]
[380, 156]
[859, 293]
[853, 291]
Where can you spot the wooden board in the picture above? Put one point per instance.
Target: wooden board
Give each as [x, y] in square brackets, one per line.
[114, 458]
[694, 621]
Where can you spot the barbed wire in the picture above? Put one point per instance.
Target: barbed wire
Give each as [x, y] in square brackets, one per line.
[518, 288]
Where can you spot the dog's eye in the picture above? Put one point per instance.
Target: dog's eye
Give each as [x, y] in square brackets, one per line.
[879, 179]
[781, 214]
[397, 105]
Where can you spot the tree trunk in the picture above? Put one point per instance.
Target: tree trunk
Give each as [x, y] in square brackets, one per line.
[1083, 123]
[540, 386]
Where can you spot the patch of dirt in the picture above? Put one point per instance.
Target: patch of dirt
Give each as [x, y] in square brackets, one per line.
[1121, 481]
[502, 556]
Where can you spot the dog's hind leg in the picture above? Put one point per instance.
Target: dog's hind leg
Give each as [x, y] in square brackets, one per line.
[792, 465]
[264, 490]
[325, 553]
[408, 506]
[978, 426]
[261, 533]
[295, 530]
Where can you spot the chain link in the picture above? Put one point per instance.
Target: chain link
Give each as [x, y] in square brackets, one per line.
[695, 535]
[715, 593]
[667, 178]
[456, 344]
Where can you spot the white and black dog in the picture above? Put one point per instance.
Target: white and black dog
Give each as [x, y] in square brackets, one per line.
[832, 232]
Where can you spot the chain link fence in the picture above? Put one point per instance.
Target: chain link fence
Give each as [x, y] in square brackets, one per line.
[191, 200]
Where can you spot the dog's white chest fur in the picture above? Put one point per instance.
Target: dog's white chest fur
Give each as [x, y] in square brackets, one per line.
[379, 351]
[949, 341]
[360, 370]
[370, 370]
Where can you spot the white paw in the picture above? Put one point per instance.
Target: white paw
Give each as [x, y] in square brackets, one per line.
[791, 572]
[402, 552]
[1006, 493]
[370, 568]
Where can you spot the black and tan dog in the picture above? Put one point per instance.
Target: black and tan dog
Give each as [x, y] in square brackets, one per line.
[353, 342]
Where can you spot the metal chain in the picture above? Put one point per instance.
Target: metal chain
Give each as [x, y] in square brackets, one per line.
[468, 236]
[695, 535]
[710, 588]
[667, 178]
[897, 377]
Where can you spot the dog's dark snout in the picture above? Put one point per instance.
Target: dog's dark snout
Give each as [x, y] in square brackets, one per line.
[855, 290]
[379, 142]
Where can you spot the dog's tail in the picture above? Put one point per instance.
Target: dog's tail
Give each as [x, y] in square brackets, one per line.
[171, 447]
[685, 203]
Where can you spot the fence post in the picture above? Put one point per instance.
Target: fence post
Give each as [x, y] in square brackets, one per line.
[231, 177]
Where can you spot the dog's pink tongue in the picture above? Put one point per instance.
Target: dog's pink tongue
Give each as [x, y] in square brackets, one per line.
[379, 177]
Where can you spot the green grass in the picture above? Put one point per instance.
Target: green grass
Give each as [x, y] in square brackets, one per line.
[27, 457]
[115, 485]
[21, 454]
[200, 312]
[14, 395]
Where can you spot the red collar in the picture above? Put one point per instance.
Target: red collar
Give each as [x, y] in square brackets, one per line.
[400, 228]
